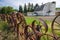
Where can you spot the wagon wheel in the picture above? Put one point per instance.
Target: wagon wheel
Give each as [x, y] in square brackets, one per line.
[56, 26]
[34, 29]
[41, 25]
[39, 28]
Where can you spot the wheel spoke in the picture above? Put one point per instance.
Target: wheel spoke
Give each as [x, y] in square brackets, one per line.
[57, 22]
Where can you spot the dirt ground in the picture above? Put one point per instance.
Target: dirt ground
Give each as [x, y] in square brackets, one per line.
[50, 18]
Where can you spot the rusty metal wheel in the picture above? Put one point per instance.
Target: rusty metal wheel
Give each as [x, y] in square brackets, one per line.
[29, 33]
[44, 26]
[36, 29]
[39, 27]
[56, 26]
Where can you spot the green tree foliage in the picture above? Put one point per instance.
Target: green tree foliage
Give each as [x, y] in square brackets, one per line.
[3, 10]
[32, 7]
[57, 8]
[25, 9]
[20, 9]
[29, 7]
[15, 10]
[6, 10]
[9, 9]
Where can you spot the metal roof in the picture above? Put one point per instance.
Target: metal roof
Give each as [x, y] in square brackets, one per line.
[39, 8]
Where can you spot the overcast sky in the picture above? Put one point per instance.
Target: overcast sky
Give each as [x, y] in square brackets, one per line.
[16, 3]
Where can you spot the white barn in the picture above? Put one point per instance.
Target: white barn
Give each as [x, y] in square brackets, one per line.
[44, 9]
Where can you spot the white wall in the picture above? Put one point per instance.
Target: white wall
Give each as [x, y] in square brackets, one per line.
[39, 12]
[29, 13]
[48, 6]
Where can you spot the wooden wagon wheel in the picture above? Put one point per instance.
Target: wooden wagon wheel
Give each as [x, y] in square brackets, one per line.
[56, 26]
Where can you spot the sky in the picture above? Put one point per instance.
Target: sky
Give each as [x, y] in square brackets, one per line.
[16, 3]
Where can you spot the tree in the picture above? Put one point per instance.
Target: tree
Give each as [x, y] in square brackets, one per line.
[32, 7]
[15, 10]
[29, 5]
[25, 9]
[10, 9]
[6, 10]
[20, 9]
[0, 9]
[3, 10]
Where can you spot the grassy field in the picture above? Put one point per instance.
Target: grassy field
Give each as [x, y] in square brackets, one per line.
[29, 20]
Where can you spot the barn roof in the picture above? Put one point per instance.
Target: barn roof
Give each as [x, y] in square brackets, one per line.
[39, 8]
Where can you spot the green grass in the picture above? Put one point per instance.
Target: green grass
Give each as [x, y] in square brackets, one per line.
[29, 20]
[3, 25]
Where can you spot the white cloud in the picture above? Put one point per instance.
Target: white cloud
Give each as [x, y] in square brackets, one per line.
[16, 3]
[13, 3]
[38, 1]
